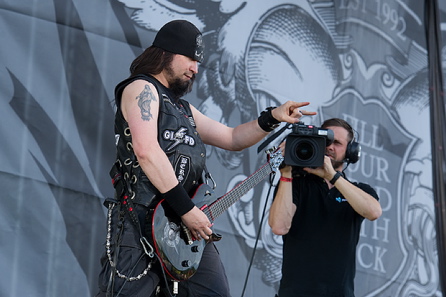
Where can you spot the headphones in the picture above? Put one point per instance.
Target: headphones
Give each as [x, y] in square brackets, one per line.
[353, 152]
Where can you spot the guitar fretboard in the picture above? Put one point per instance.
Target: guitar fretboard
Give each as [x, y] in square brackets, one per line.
[220, 205]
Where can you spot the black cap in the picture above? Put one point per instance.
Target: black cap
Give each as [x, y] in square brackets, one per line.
[180, 37]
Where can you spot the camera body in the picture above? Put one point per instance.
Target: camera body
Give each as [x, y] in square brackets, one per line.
[305, 145]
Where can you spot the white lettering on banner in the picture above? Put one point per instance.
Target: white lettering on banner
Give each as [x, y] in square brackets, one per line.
[374, 254]
[385, 198]
[378, 13]
[372, 166]
[362, 254]
[361, 126]
[369, 255]
[378, 225]
[384, 228]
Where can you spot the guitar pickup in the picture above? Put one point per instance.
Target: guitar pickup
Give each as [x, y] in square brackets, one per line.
[187, 235]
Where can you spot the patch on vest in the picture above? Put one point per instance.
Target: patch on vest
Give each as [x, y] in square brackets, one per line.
[192, 122]
[182, 168]
[178, 137]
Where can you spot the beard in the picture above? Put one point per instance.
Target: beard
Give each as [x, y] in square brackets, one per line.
[180, 88]
[337, 164]
[177, 86]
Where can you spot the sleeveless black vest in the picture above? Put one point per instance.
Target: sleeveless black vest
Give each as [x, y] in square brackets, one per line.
[177, 136]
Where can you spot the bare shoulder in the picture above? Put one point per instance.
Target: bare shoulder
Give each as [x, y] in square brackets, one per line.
[139, 88]
[140, 97]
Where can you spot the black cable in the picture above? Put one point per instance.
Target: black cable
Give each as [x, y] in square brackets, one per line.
[130, 273]
[258, 233]
[164, 277]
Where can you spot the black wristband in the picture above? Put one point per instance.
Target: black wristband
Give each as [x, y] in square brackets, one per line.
[178, 200]
[266, 120]
[335, 177]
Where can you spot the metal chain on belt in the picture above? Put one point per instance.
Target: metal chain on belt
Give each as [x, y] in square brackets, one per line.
[108, 250]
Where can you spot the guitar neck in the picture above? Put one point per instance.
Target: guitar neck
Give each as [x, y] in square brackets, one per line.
[220, 205]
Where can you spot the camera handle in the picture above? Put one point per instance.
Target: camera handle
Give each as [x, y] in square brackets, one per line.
[274, 136]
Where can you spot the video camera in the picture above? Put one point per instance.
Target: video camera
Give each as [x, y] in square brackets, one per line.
[305, 145]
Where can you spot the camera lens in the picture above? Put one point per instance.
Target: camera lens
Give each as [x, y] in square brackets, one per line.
[304, 150]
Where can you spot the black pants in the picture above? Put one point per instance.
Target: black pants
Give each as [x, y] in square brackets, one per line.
[209, 280]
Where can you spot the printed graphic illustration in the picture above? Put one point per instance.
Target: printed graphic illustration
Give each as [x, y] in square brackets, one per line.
[364, 61]
[317, 52]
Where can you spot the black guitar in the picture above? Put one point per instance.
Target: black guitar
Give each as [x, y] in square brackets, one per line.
[180, 254]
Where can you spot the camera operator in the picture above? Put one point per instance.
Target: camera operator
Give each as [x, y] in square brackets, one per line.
[319, 214]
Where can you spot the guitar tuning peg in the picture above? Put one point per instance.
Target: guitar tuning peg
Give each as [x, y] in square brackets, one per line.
[270, 150]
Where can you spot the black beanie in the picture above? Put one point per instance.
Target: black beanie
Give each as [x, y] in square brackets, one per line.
[180, 37]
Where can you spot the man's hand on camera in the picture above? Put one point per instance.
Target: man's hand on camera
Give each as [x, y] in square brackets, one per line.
[326, 171]
[285, 169]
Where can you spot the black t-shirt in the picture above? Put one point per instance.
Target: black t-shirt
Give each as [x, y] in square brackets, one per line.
[319, 249]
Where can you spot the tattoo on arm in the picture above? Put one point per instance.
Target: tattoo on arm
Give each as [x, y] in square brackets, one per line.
[144, 100]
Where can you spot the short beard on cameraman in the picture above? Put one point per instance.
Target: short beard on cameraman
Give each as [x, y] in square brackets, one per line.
[337, 164]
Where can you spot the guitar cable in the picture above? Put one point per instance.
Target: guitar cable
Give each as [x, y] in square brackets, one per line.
[273, 174]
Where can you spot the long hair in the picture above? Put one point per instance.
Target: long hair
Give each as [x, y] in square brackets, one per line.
[152, 61]
[336, 122]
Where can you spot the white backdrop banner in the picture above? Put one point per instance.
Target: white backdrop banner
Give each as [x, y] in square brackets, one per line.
[364, 61]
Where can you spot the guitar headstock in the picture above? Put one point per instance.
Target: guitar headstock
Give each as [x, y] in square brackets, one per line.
[275, 157]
